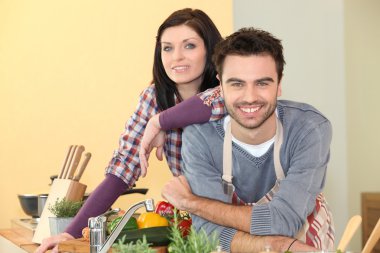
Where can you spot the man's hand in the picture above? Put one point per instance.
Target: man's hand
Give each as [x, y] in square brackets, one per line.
[52, 242]
[153, 138]
[178, 192]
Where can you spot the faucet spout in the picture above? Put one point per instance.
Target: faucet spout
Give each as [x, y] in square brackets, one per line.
[149, 206]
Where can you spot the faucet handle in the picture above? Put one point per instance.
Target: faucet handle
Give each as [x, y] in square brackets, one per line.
[110, 212]
[149, 205]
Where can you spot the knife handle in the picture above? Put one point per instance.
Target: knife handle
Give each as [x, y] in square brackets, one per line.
[69, 161]
[65, 162]
[83, 166]
[76, 159]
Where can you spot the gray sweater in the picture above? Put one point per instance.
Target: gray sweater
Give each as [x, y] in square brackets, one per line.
[304, 156]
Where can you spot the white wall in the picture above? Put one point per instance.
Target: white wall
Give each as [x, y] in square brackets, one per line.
[362, 53]
[312, 33]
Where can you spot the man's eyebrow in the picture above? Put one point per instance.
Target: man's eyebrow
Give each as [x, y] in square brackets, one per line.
[234, 79]
[264, 79]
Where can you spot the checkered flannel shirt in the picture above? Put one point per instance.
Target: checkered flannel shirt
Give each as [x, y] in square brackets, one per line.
[125, 162]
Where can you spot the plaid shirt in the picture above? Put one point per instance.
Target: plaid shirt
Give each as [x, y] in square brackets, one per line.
[212, 98]
[125, 162]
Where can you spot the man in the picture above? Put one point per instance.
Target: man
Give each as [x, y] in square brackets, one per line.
[279, 156]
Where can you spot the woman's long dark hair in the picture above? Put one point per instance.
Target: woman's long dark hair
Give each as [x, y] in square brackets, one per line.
[206, 29]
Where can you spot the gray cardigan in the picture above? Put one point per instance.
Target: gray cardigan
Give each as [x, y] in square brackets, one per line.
[304, 156]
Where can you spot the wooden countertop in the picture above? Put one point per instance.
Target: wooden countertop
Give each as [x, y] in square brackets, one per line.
[24, 241]
[19, 238]
[82, 246]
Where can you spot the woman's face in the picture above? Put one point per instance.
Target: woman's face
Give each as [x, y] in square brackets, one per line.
[183, 55]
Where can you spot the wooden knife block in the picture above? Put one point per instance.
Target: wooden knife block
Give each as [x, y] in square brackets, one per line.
[61, 188]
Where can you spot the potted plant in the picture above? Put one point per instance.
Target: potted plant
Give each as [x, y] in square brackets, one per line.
[190, 242]
[64, 211]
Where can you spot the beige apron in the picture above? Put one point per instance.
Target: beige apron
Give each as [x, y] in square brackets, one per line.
[318, 229]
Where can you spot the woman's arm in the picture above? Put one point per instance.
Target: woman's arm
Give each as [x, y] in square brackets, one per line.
[122, 171]
[190, 111]
[201, 108]
[98, 202]
[125, 162]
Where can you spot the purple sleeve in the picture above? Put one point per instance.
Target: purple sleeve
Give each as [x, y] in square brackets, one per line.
[190, 111]
[99, 201]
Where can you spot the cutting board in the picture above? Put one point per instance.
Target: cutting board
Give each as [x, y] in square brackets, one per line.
[83, 246]
[61, 188]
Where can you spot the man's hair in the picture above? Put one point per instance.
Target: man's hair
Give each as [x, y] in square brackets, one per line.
[246, 42]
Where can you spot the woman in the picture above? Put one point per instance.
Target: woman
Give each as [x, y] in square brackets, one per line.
[182, 68]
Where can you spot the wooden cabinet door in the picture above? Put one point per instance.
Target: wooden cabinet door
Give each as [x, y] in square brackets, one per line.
[370, 215]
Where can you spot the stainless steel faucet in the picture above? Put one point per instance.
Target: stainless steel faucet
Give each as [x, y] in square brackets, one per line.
[97, 235]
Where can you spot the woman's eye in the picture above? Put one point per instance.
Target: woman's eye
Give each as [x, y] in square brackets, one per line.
[166, 48]
[190, 46]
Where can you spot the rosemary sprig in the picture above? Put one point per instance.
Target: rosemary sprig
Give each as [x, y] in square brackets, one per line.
[138, 247]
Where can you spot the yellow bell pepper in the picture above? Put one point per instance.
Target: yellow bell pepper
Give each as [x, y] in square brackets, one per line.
[151, 219]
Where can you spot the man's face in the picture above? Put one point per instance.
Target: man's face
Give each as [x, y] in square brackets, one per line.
[250, 88]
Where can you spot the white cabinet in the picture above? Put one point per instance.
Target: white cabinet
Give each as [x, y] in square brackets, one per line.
[9, 247]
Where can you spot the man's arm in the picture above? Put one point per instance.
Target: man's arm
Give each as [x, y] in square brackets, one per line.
[243, 242]
[177, 191]
[206, 183]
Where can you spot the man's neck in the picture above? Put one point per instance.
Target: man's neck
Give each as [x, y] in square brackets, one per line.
[257, 135]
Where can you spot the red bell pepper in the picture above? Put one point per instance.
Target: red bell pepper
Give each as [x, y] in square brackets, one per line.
[165, 209]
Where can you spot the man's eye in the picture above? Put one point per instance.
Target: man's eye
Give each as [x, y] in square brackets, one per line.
[237, 84]
[190, 46]
[262, 84]
[166, 48]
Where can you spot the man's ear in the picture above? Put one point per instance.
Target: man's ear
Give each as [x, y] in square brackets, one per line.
[220, 85]
[279, 89]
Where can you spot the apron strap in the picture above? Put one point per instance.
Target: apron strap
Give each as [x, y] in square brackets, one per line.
[276, 150]
[228, 187]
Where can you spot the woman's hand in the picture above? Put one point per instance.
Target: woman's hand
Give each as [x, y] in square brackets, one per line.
[153, 137]
[52, 242]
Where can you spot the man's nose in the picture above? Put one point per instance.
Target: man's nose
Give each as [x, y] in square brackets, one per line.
[250, 94]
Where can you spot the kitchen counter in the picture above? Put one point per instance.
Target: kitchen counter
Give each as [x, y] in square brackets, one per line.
[23, 241]
[19, 239]
[82, 246]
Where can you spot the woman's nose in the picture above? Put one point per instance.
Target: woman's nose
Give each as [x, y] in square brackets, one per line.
[178, 54]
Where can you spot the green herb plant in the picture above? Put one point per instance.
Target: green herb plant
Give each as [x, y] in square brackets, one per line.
[194, 242]
[65, 208]
[138, 247]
